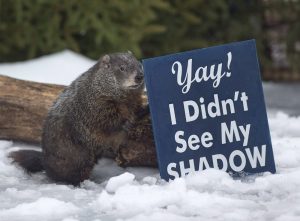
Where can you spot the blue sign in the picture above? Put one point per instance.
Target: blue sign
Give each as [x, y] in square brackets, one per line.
[208, 111]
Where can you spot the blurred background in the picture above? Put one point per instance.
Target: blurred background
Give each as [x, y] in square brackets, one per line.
[31, 28]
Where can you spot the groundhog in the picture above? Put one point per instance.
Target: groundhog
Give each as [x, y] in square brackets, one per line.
[99, 110]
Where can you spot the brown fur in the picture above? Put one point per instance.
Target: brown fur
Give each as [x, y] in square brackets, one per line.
[96, 112]
[139, 148]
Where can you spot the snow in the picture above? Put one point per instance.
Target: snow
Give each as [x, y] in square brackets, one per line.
[60, 68]
[40, 208]
[118, 181]
[114, 193]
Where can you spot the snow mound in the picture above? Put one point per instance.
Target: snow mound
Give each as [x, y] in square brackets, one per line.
[58, 68]
[118, 181]
[43, 207]
[283, 125]
[114, 193]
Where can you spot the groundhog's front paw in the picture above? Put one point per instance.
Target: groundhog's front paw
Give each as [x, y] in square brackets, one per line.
[120, 159]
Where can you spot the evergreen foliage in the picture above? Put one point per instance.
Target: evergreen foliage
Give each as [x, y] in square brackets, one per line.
[30, 28]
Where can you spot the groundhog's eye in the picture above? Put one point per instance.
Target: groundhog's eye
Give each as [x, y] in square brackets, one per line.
[122, 68]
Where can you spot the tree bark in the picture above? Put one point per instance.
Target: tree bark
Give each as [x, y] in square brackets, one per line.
[24, 106]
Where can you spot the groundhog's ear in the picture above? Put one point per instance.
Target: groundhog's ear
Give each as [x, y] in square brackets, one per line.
[105, 60]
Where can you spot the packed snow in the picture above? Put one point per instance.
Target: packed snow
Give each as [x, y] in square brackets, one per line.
[114, 193]
[59, 68]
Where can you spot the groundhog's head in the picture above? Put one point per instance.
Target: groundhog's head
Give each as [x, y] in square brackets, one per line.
[123, 70]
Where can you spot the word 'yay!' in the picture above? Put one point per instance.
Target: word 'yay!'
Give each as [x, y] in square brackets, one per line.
[201, 74]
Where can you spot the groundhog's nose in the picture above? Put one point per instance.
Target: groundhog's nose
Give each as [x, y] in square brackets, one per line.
[139, 78]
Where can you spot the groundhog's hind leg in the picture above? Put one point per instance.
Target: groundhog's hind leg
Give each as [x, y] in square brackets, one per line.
[66, 158]
[69, 163]
[68, 169]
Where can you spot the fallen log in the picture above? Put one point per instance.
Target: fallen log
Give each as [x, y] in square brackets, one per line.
[24, 106]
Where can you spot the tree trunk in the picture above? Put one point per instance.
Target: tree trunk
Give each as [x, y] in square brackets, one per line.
[24, 106]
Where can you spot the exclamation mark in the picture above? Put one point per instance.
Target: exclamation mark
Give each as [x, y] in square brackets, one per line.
[229, 56]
